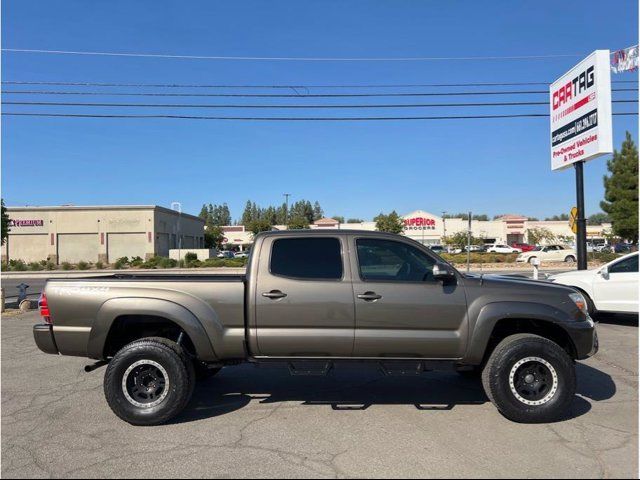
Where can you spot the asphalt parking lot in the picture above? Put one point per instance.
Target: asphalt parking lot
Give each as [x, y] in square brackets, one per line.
[260, 422]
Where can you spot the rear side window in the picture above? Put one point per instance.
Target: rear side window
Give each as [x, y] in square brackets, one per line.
[307, 258]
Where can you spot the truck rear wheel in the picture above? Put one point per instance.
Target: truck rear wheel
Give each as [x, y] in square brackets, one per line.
[530, 379]
[149, 381]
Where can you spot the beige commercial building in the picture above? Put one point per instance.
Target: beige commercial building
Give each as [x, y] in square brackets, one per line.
[98, 233]
[430, 229]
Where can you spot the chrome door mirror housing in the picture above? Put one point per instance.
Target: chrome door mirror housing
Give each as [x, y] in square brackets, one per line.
[443, 272]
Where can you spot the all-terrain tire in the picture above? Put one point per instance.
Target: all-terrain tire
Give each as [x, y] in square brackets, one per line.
[156, 358]
[530, 379]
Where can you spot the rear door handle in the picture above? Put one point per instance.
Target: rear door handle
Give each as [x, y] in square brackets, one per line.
[369, 296]
[274, 294]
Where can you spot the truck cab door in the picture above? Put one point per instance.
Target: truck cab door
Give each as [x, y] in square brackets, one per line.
[303, 297]
[401, 310]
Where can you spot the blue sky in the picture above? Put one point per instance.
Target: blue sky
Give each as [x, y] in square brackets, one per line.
[352, 169]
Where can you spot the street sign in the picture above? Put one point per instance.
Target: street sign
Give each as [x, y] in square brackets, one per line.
[580, 108]
[573, 220]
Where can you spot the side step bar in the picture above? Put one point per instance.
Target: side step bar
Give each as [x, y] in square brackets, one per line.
[391, 368]
[310, 368]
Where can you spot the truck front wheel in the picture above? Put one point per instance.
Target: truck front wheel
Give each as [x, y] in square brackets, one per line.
[149, 381]
[530, 379]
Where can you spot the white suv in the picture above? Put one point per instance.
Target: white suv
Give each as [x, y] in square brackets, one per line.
[549, 253]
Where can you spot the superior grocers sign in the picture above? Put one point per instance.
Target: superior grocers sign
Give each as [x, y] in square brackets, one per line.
[580, 106]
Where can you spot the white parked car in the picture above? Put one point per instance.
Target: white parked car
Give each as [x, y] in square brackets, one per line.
[502, 248]
[611, 288]
[241, 255]
[549, 253]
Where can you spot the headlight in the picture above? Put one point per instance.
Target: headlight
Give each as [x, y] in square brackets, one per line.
[580, 302]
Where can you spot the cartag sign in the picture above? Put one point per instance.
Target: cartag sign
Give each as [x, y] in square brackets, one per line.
[580, 107]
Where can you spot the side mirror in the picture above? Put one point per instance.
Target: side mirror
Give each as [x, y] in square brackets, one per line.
[443, 272]
[604, 272]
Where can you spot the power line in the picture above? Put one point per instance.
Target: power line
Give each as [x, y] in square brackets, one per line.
[292, 86]
[290, 59]
[270, 95]
[196, 105]
[291, 119]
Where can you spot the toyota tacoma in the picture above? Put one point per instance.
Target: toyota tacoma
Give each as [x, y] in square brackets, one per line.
[314, 300]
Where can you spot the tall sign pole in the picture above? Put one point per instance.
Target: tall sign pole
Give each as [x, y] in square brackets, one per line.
[581, 127]
[581, 235]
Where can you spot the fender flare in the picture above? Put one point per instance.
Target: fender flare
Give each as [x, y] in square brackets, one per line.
[117, 307]
[492, 313]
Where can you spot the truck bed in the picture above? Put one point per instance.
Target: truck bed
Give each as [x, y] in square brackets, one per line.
[210, 308]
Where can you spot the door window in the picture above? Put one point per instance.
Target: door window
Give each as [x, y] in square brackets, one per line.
[628, 265]
[391, 261]
[307, 258]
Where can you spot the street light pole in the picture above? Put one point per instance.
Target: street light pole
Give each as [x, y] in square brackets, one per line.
[444, 226]
[286, 208]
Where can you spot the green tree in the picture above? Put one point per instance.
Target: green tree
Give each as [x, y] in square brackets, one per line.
[338, 218]
[540, 234]
[318, 213]
[220, 214]
[298, 223]
[355, 220]
[213, 236]
[247, 214]
[391, 223]
[621, 190]
[459, 239]
[598, 219]
[5, 222]
[557, 218]
[204, 213]
[257, 226]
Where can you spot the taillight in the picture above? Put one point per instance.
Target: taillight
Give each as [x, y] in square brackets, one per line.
[44, 308]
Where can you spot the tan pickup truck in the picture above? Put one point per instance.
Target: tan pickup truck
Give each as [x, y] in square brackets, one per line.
[315, 299]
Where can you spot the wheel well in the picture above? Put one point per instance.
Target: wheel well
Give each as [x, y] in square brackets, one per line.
[128, 328]
[512, 326]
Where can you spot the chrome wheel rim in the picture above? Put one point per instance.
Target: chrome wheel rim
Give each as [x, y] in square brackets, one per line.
[145, 384]
[533, 381]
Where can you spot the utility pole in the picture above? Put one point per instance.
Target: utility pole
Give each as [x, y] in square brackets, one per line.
[286, 208]
[177, 206]
[469, 244]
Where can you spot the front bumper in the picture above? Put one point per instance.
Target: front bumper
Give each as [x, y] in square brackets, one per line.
[585, 338]
[43, 335]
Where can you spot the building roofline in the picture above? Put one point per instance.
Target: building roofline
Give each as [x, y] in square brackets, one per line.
[100, 208]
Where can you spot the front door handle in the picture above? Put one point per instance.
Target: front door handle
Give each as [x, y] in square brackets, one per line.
[274, 294]
[369, 296]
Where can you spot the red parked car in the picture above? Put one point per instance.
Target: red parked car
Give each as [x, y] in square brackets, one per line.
[525, 247]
